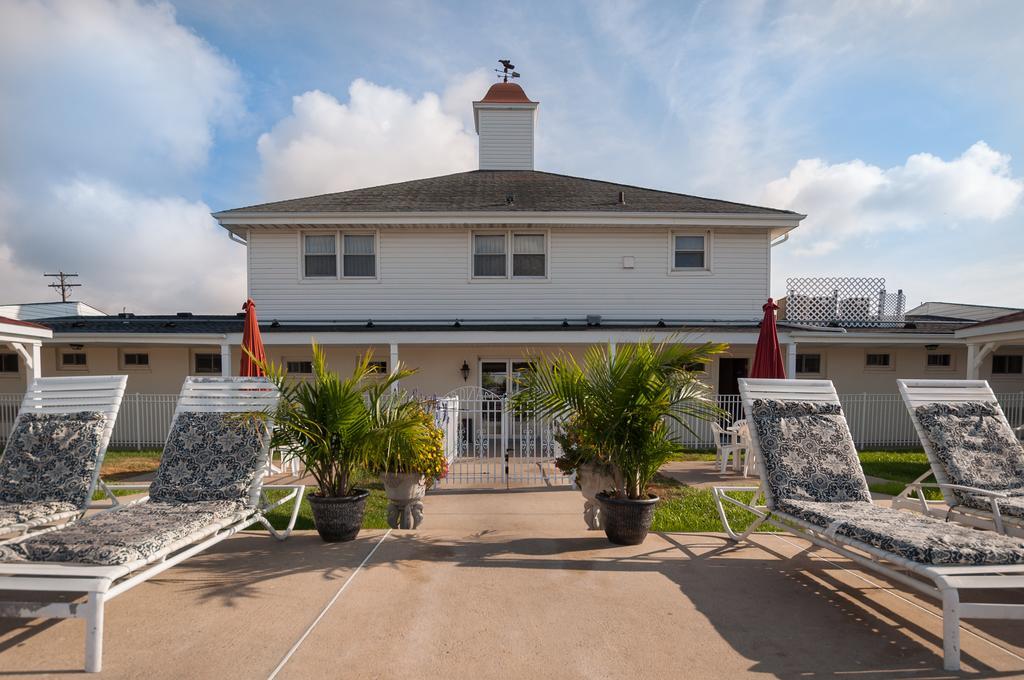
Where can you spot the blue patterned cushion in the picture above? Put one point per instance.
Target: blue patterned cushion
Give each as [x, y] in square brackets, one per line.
[52, 457]
[20, 513]
[135, 532]
[916, 537]
[211, 457]
[975, 446]
[807, 452]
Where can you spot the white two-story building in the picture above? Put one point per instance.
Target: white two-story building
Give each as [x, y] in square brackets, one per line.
[466, 276]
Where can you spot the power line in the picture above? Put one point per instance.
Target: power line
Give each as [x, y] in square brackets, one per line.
[62, 285]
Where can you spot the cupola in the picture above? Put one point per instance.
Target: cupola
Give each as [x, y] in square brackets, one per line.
[505, 121]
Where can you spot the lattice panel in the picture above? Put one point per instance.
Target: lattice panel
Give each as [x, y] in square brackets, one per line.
[843, 301]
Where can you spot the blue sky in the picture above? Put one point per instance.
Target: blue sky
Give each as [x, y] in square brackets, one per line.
[893, 125]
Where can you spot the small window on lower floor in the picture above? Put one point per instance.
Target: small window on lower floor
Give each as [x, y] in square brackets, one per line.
[303, 367]
[696, 367]
[72, 359]
[875, 360]
[940, 360]
[207, 362]
[379, 367]
[135, 360]
[1007, 364]
[808, 363]
[8, 363]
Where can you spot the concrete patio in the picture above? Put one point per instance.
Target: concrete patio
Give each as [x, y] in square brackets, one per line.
[509, 584]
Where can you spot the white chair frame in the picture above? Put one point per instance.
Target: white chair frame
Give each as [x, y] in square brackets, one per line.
[942, 582]
[99, 394]
[100, 584]
[918, 393]
[724, 450]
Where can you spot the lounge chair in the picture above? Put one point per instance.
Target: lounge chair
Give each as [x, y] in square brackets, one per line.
[975, 455]
[209, 486]
[51, 463]
[814, 487]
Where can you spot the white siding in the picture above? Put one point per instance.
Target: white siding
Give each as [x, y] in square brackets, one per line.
[424, 274]
[506, 139]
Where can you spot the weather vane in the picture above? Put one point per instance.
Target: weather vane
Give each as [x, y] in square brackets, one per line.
[506, 71]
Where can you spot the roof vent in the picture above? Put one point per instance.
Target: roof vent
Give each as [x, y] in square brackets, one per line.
[457, 324]
[369, 324]
[184, 315]
[622, 198]
[275, 324]
[661, 323]
[565, 323]
[126, 315]
[593, 319]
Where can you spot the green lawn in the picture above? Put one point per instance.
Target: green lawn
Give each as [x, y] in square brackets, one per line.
[376, 508]
[901, 467]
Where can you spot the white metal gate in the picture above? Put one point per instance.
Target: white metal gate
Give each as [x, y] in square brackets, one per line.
[496, 446]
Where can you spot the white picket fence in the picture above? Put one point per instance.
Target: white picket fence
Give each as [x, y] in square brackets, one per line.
[876, 421]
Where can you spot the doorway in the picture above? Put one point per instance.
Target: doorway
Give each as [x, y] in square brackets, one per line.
[730, 370]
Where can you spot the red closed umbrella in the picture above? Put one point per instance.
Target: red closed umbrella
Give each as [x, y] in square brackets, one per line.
[251, 341]
[768, 355]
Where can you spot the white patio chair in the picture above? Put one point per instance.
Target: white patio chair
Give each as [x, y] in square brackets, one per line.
[208, 487]
[976, 458]
[51, 463]
[725, 446]
[814, 487]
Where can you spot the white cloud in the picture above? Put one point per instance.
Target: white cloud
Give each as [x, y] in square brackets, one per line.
[160, 254]
[102, 101]
[381, 135]
[846, 200]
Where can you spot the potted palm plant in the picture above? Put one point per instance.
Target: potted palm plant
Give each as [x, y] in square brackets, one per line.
[341, 428]
[411, 465]
[623, 403]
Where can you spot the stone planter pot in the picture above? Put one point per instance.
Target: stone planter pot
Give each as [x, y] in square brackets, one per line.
[592, 480]
[627, 521]
[405, 492]
[339, 518]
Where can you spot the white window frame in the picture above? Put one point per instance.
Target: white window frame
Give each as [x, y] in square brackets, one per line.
[339, 255]
[125, 367]
[881, 369]
[940, 369]
[287, 360]
[75, 368]
[708, 252]
[821, 364]
[509, 242]
[192, 362]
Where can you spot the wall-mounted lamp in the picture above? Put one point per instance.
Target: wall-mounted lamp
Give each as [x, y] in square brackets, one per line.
[464, 371]
[931, 348]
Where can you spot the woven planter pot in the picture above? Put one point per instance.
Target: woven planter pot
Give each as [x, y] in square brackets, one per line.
[405, 491]
[339, 518]
[627, 521]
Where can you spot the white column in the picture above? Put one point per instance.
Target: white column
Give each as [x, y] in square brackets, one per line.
[791, 360]
[225, 359]
[37, 363]
[611, 348]
[393, 362]
[972, 362]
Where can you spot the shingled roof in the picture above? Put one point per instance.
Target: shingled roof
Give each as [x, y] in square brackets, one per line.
[491, 190]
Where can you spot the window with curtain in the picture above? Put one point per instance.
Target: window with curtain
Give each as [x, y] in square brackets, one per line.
[528, 255]
[689, 252]
[359, 256]
[489, 255]
[319, 252]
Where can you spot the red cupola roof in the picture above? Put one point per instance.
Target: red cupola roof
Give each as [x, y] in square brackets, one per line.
[506, 93]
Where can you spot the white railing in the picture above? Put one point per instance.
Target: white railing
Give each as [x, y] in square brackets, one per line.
[876, 421]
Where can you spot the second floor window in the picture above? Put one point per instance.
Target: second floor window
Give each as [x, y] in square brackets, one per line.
[489, 257]
[527, 257]
[359, 259]
[689, 251]
[320, 255]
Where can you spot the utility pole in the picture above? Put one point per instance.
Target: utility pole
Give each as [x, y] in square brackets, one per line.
[63, 284]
